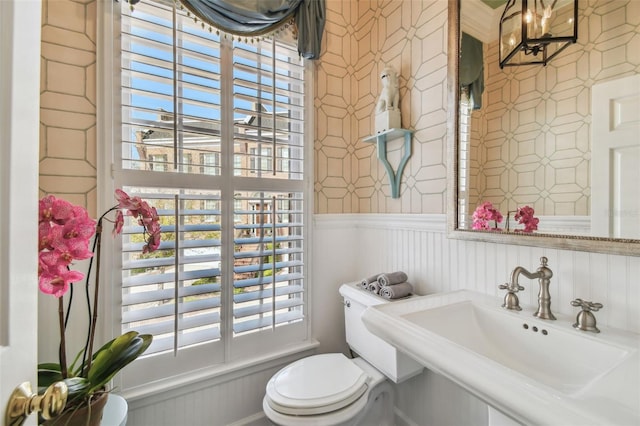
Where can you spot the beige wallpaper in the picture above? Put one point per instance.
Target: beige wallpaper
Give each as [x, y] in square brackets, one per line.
[531, 140]
[361, 38]
[68, 101]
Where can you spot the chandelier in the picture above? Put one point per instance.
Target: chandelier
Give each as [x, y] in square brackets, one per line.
[535, 31]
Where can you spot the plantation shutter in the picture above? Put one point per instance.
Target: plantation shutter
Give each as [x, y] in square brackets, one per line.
[268, 261]
[213, 137]
[268, 239]
[174, 293]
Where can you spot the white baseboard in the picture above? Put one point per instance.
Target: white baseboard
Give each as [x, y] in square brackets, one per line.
[257, 419]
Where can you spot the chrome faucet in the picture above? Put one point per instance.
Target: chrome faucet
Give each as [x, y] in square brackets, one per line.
[543, 274]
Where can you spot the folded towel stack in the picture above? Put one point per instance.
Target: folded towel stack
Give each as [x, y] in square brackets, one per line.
[366, 281]
[396, 291]
[393, 285]
[374, 287]
[392, 278]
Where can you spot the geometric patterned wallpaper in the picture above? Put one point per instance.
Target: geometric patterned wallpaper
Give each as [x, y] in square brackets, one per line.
[361, 38]
[68, 101]
[531, 143]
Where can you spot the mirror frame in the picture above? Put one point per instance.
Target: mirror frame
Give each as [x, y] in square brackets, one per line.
[629, 247]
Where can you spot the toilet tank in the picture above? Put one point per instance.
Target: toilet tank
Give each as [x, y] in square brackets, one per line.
[388, 360]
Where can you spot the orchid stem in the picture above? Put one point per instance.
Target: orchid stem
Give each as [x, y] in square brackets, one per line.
[63, 349]
[96, 290]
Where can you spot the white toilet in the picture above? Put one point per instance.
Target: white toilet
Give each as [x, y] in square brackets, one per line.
[331, 389]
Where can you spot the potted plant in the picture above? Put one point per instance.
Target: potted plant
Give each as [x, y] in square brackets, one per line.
[64, 233]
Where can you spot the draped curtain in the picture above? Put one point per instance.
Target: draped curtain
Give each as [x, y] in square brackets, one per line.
[471, 70]
[257, 17]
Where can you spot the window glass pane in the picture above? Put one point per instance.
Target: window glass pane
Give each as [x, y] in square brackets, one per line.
[170, 90]
[268, 99]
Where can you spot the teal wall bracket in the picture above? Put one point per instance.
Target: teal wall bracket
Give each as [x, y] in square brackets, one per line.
[381, 142]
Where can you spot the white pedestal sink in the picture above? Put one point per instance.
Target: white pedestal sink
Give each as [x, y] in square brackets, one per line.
[535, 371]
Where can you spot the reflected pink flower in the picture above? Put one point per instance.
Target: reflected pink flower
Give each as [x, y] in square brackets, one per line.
[484, 213]
[524, 216]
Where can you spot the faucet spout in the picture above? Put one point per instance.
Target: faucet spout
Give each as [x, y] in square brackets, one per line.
[520, 270]
[543, 274]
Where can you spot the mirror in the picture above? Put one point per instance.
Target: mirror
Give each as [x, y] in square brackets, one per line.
[540, 152]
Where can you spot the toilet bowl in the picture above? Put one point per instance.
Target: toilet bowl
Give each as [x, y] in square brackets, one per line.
[331, 389]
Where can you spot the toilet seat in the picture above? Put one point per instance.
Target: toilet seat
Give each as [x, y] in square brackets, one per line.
[316, 385]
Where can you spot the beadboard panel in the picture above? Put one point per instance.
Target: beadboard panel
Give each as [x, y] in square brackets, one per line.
[418, 245]
[236, 401]
[349, 247]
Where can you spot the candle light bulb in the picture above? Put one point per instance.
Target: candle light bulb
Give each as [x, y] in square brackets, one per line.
[528, 17]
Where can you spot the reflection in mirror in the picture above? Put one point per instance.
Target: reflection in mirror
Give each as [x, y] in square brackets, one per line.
[562, 139]
[516, 170]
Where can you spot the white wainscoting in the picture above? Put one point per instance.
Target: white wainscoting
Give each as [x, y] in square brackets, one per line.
[349, 247]
[233, 398]
[418, 245]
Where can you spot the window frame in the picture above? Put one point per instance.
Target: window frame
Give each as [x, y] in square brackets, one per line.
[197, 364]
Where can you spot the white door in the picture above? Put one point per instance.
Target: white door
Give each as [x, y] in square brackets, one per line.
[19, 126]
[615, 158]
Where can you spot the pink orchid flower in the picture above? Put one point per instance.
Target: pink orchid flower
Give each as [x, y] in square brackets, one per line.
[65, 231]
[146, 215]
[118, 223]
[56, 281]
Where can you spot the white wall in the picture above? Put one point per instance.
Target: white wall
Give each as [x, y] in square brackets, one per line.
[349, 247]
[418, 245]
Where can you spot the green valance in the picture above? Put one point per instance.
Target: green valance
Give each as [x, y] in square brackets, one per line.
[472, 68]
[258, 17]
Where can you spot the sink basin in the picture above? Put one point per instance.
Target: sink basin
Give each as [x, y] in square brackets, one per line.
[562, 359]
[515, 361]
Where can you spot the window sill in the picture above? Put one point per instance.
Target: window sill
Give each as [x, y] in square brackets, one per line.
[187, 382]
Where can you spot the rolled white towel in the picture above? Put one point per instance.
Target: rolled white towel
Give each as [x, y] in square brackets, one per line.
[392, 278]
[396, 291]
[366, 281]
[374, 287]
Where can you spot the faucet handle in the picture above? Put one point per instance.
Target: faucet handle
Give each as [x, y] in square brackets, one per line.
[586, 306]
[511, 287]
[511, 299]
[585, 320]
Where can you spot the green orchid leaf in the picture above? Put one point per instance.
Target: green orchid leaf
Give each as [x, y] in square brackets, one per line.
[78, 388]
[106, 366]
[73, 370]
[49, 366]
[115, 355]
[107, 362]
[48, 374]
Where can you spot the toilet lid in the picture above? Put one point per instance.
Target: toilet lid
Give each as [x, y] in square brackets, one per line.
[315, 385]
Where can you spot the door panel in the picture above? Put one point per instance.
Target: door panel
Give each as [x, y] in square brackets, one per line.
[615, 154]
[19, 119]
